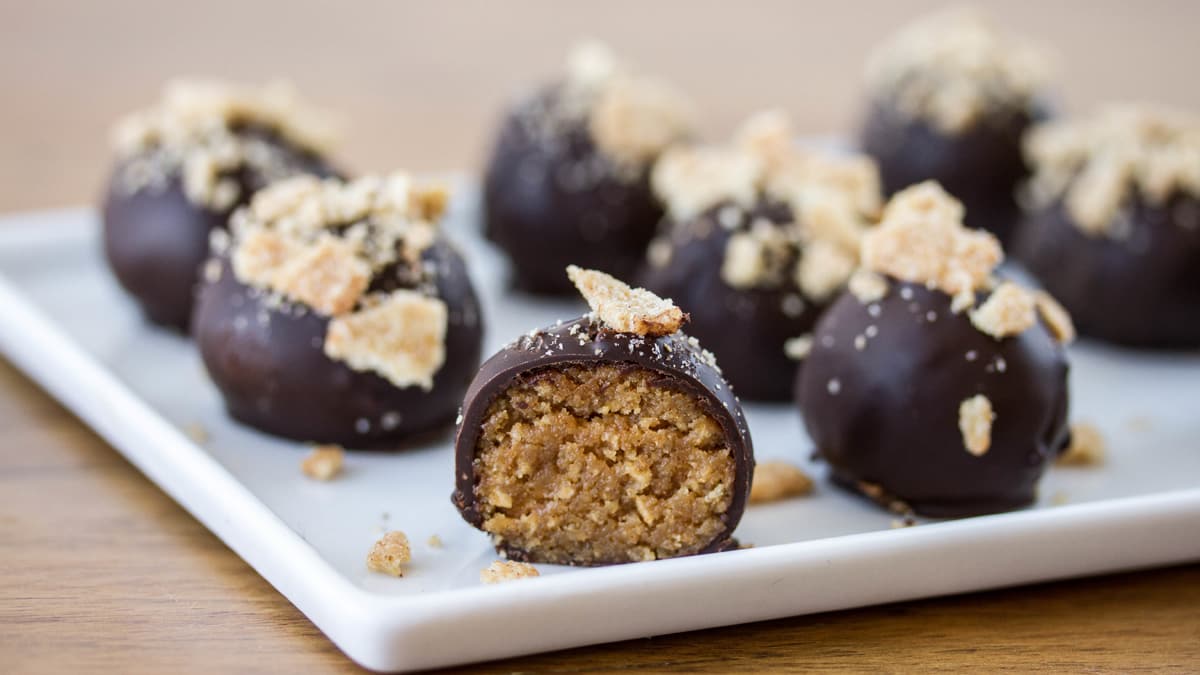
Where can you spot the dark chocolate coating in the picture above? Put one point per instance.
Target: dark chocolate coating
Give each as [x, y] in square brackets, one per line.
[673, 357]
[744, 328]
[892, 418]
[549, 203]
[156, 239]
[1141, 291]
[981, 166]
[271, 369]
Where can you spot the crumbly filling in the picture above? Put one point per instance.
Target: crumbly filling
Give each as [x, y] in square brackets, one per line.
[598, 464]
[777, 480]
[1095, 165]
[624, 309]
[323, 243]
[501, 571]
[832, 198]
[954, 68]
[975, 418]
[192, 131]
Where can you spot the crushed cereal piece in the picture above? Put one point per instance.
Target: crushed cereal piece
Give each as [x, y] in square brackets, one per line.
[1009, 310]
[625, 309]
[390, 554]
[975, 418]
[501, 571]
[1087, 446]
[774, 481]
[324, 462]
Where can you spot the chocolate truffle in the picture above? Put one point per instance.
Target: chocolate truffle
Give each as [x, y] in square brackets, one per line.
[949, 99]
[608, 439]
[930, 385]
[336, 313]
[568, 178]
[1113, 223]
[183, 166]
[759, 237]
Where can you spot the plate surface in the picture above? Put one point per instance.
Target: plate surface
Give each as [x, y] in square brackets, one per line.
[65, 322]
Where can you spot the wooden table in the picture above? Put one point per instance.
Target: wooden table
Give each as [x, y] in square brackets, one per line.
[99, 570]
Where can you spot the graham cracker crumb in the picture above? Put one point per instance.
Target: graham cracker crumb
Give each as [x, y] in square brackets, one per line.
[756, 257]
[922, 239]
[798, 348]
[197, 432]
[501, 571]
[324, 462]
[327, 275]
[867, 286]
[1009, 310]
[823, 269]
[634, 119]
[1056, 317]
[692, 180]
[390, 554]
[774, 481]
[953, 68]
[401, 337]
[625, 309]
[434, 541]
[1095, 165]
[975, 418]
[1087, 446]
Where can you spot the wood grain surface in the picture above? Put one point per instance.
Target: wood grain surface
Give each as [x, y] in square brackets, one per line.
[101, 571]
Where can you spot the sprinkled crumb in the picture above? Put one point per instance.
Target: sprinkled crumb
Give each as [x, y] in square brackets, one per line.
[867, 286]
[324, 462]
[775, 480]
[197, 432]
[975, 418]
[434, 541]
[1087, 446]
[907, 521]
[1058, 499]
[1056, 317]
[798, 348]
[501, 571]
[1009, 310]
[625, 309]
[390, 554]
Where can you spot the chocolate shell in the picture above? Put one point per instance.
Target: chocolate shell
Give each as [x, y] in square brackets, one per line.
[881, 392]
[679, 365]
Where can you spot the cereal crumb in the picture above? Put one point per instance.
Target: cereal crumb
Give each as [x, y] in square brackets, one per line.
[774, 481]
[434, 541]
[324, 462]
[625, 309]
[501, 571]
[1056, 317]
[798, 348]
[975, 417]
[1009, 310]
[1087, 446]
[390, 554]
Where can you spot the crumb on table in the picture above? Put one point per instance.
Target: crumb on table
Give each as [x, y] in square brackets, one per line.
[196, 432]
[434, 541]
[324, 462]
[501, 571]
[1087, 446]
[390, 554]
[778, 480]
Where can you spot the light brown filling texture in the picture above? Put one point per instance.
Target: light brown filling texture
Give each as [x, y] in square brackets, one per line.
[590, 465]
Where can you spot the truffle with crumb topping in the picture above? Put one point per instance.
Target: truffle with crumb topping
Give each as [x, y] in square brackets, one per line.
[336, 312]
[936, 387]
[1113, 213]
[950, 96]
[183, 166]
[608, 439]
[568, 177]
[760, 235]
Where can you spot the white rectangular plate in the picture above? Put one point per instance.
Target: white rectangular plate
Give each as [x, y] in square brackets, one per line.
[65, 322]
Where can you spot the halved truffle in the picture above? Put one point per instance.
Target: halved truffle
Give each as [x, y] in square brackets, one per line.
[949, 98]
[183, 166]
[568, 178]
[608, 439]
[930, 384]
[759, 237]
[1113, 223]
[337, 313]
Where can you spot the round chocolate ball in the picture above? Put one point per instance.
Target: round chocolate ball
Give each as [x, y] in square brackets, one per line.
[268, 361]
[156, 236]
[885, 395]
[553, 201]
[1138, 287]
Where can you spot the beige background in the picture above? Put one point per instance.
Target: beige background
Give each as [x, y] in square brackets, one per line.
[99, 570]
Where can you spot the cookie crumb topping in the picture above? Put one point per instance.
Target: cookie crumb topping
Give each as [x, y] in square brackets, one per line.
[1096, 165]
[1087, 446]
[194, 130]
[798, 348]
[954, 68]
[625, 309]
[975, 418]
[777, 480]
[327, 243]
[867, 286]
[1055, 316]
[501, 571]
[1009, 310]
[390, 554]
[324, 462]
